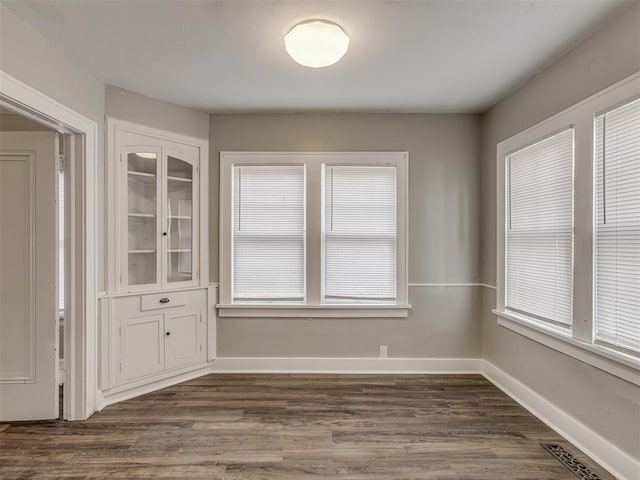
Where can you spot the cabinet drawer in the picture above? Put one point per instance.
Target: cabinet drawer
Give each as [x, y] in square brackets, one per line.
[162, 300]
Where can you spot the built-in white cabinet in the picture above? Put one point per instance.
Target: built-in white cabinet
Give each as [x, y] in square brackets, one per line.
[157, 333]
[157, 316]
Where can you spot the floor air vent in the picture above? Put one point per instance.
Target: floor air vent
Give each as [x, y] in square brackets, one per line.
[579, 469]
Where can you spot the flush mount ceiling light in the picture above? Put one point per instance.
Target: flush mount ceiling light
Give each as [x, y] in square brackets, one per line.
[316, 43]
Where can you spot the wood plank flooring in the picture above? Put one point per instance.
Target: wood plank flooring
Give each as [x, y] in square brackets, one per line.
[296, 427]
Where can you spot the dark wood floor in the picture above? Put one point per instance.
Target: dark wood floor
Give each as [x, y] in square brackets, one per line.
[296, 427]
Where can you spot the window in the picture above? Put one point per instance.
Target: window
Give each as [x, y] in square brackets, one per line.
[61, 242]
[313, 234]
[268, 233]
[568, 273]
[617, 282]
[539, 238]
[359, 234]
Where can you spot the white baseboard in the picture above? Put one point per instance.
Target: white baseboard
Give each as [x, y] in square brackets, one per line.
[119, 394]
[345, 365]
[610, 457]
[293, 365]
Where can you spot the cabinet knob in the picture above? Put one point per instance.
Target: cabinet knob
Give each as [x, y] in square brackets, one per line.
[164, 300]
[164, 234]
[168, 333]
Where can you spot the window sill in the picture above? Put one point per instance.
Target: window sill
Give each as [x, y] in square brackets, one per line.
[611, 361]
[313, 311]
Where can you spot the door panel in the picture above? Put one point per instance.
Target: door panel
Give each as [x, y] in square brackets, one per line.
[183, 339]
[16, 219]
[179, 227]
[142, 343]
[28, 276]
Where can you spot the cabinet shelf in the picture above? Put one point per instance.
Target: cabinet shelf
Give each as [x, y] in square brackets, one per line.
[179, 250]
[180, 217]
[142, 215]
[141, 178]
[180, 179]
[143, 251]
[141, 174]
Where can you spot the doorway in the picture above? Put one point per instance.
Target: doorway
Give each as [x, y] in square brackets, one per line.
[33, 270]
[77, 137]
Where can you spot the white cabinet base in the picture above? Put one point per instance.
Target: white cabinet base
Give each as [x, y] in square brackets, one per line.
[154, 343]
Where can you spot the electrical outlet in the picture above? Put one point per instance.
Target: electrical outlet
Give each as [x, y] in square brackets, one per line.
[383, 351]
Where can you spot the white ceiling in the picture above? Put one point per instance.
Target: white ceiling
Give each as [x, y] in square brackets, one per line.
[405, 56]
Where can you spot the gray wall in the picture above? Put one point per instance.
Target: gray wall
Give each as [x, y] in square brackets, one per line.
[444, 233]
[605, 403]
[137, 108]
[28, 56]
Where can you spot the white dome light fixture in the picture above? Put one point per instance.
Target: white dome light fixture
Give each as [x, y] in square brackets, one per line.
[316, 43]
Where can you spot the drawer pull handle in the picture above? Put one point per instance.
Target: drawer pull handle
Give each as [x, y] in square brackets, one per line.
[164, 300]
[168, 333]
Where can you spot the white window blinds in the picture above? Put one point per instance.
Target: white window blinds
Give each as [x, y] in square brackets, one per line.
[539, 230]
[617, 276]
[268, 233]
[359, 234]
[61, 241]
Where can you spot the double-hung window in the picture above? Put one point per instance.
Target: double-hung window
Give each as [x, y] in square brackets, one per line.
[539, 229]
[359, 234]
[61, 243]
[617, 275]
[568, 272]
[313, 234]
[268, 233]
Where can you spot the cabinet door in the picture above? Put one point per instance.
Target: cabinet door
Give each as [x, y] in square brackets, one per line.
[142, 346]
[184, 339]
[141, 207]
[180, 220]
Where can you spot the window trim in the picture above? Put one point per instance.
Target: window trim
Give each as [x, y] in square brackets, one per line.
[577, 340]
[313, 308]
[595, 354]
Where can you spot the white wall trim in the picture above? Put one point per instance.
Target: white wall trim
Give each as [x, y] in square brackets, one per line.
[80, 350]
[148, 385]
[428, 285]
[313, 311]
[292, 365]
[345, 365]
[607, 455]
[611, 361]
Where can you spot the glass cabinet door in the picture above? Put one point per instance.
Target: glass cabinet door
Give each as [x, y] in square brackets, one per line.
[179, 221]
[142, 210]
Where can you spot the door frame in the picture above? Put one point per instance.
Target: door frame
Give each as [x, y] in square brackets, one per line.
[81, 313]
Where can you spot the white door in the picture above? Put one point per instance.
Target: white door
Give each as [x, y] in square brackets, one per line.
[184, 339]
[142, 346]
[28, 276]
